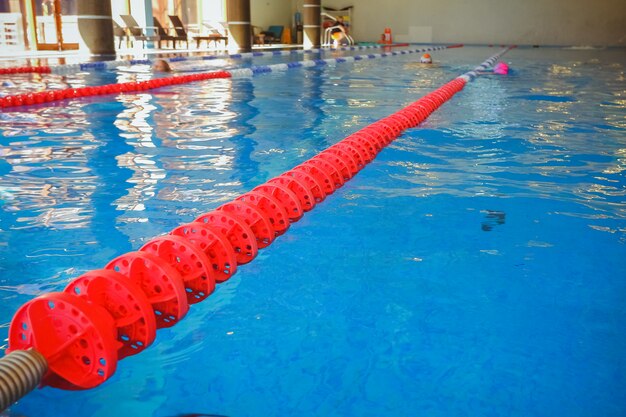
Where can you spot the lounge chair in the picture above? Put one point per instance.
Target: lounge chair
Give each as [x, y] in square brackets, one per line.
[215, 34]
[164, 36]
[258, 38]
[273, 34]
[120, 33]
[179, 28]
[137, 31]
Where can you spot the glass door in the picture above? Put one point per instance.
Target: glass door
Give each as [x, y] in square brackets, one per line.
[56, 24]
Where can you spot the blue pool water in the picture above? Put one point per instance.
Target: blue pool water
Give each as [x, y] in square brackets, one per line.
[477, 267]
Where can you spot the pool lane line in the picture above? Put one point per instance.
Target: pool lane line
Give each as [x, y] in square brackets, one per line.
[480, 69]
[260, 69]
[110, 65]
[42, 97]
[87, 322]
[42, 69]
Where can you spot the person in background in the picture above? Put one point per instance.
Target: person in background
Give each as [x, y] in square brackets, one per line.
[338, 32]
[160, 65]
[501, 68]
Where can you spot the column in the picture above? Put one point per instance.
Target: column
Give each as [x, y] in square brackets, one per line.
[142, 12]
[311, 20]
[96, 26]
[239, 29]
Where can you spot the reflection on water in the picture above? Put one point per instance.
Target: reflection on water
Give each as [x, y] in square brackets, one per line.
[47, 181]
[195, 145]
[82, 182]
[550, 140]
[135, 126]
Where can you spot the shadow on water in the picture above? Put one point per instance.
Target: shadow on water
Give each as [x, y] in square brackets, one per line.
[493, 218]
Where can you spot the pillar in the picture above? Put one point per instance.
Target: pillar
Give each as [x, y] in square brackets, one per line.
[95, 25]
[311, 23]
[239, 29]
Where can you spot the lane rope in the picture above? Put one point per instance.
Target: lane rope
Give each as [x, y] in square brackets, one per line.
[74, 339]
[66, 69]
[41, 97]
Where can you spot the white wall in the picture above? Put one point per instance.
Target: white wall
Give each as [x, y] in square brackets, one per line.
[522, 22]
[265, 13]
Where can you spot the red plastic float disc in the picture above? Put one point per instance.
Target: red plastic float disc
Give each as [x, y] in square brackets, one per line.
[272, 208]
[388, 129]
[375, 135]
[319, 174]
[285, 197]
[397, 125]
[365, 149]
[161, 283]
[258, 222]
[450, 90]
[438, 96]
[421, 110]
[368, 141]
[77, 338]
[379, 133]
[430, 104]
[329, 168]
[312, 184]
[444, 92]
[214, 244]
[415, 112]
[411, 116]
[125, 302]
[300, 189]
[189, 260]
[236, 230]
[392, 128]
[346, 157]
[429, 98]
[344, 169]
[404, 120]
[354, 151]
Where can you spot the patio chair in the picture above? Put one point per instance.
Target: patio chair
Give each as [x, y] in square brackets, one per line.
[137, 31]
[216, 33]
[165, 36]
[179, 28]
[120, 33]
[273, 34]
[258, 38]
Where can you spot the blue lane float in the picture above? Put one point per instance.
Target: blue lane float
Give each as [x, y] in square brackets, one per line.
[109, 65]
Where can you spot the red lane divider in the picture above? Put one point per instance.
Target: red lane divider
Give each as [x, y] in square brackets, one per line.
[106, 315]
[214, 244]
[41, 97]
[26, 70]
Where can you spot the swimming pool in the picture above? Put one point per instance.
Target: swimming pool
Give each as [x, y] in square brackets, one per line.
[476, 267]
